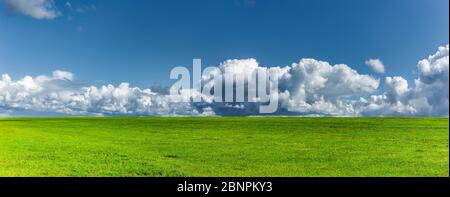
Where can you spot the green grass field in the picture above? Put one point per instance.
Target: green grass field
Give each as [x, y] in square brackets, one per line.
[224, 146]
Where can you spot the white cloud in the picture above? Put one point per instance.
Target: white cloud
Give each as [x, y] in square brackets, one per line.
[318, 87]
[432, 86]
[376, 65]
[38, 9]
[309, 88]
[429, 97]
[57, 94]
[62, 75]
[396, 87]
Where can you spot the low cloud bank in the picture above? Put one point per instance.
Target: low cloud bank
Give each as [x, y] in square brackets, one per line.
[307, 88]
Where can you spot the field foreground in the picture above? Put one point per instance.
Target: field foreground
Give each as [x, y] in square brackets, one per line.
[224, 146]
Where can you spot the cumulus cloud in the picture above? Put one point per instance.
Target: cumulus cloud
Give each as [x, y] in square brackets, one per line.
[307, 88]
[318, 87]
[396, 87]
[38, 9]
[432, 86]
[60, 94]
[429, 96]
[376, 65]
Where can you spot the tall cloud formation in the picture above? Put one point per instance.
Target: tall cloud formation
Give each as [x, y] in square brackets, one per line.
[38, 9]
[307, 88]
[429, 97]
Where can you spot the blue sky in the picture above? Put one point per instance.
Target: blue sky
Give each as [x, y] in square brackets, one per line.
[338, 57]
[141, 41]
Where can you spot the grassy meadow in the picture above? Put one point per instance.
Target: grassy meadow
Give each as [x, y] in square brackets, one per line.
[224, 146]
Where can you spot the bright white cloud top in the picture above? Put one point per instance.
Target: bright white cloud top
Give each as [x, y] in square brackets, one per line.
[307, 88]
[376, 65]
[38, 9]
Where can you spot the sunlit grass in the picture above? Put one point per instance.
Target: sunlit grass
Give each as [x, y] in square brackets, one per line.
[224, 146]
